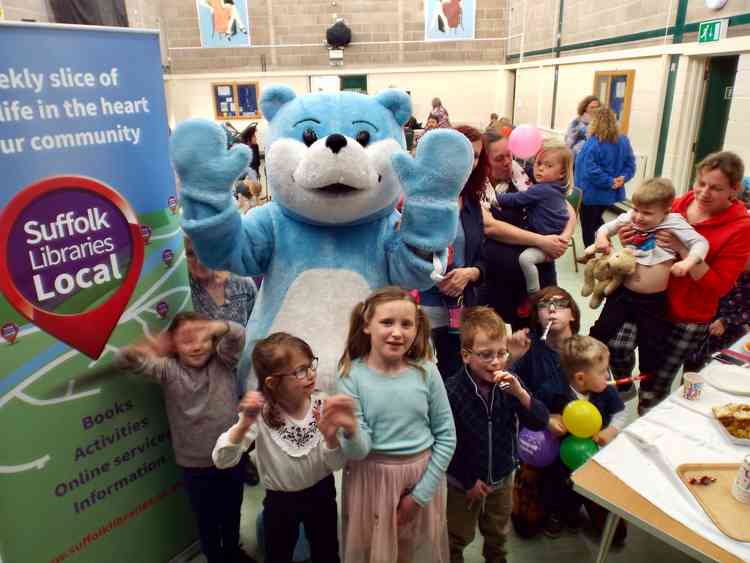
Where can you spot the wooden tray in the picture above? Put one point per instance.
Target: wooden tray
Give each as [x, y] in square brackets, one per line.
[730, 515]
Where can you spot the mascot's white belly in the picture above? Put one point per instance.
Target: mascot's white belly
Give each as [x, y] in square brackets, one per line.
[317, 307]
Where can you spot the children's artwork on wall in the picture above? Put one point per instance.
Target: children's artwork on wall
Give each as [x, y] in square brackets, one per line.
[449, 20]
[223, 23]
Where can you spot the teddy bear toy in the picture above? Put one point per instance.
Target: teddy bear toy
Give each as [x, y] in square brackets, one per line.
[604, 273]
[336, 166]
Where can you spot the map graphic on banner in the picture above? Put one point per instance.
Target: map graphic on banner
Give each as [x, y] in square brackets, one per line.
[88, 211]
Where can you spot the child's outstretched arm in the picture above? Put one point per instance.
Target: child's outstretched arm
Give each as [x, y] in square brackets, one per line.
[148, 358]
[610, 228]
[234, 442]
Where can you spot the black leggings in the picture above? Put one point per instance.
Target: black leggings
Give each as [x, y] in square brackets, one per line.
[216, 498]
[647, 311]
[315, 507]
[591, 220]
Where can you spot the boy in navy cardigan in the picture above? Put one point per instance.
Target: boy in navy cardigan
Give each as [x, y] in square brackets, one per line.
[585, 361]
[487, 404]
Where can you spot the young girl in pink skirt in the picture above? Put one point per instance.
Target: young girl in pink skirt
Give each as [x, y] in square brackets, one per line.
[394, 482]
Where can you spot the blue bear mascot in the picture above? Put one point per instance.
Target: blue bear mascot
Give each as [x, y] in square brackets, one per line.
[336, 166]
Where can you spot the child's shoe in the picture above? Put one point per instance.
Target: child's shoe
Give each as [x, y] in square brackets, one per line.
[554, 526]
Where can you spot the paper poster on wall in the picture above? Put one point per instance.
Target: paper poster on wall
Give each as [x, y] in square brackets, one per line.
[223, 23]
[449, 20]
[88, 218]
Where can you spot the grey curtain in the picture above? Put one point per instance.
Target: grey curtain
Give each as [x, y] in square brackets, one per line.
[90, 12]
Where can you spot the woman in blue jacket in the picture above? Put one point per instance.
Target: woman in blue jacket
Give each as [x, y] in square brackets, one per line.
[602, 168]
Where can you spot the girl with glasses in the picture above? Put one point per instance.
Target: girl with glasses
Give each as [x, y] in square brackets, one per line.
[296, 450]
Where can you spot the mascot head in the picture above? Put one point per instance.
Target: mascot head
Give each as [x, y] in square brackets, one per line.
[329, 154]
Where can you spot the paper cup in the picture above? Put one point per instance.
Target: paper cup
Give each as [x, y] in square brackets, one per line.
[741, 486]
[692, 386]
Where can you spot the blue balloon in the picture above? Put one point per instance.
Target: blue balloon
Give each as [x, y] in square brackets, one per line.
[537, 448]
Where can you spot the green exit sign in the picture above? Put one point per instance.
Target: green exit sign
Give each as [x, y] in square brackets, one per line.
[713, 30]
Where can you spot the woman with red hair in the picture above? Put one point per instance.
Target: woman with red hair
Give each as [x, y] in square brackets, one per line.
[465, 268]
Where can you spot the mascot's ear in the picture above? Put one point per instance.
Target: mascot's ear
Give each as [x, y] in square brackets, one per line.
[397, 102]
[273, 98]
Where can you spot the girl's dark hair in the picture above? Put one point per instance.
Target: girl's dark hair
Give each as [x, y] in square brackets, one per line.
[358, 343]
[474, 187]
[546, 293]
[248, 132]
[270, 356]
[584, 103]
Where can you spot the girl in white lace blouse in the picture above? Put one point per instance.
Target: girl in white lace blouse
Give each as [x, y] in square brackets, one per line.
[296, 450]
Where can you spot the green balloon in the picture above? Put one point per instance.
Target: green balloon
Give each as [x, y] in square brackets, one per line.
[575, 451]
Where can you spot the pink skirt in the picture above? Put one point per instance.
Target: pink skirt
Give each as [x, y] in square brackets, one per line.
[373, 488]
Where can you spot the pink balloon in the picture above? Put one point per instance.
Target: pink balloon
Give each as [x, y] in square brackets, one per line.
[525, 141]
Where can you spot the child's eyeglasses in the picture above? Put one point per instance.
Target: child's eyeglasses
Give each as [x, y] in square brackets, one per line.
[301, 372]
[556, 303]
[487, 356]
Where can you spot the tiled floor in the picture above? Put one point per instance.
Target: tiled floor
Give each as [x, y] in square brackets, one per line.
[579, 548]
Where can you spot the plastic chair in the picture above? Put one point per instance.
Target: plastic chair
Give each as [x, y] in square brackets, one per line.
[575, 197]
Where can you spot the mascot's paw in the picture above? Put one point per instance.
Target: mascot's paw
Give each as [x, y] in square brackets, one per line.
[199, 152]
[440, 168]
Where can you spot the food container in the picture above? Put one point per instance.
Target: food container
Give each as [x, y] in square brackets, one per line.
[692, 386]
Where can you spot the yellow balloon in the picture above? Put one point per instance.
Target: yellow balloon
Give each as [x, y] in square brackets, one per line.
[582, 419]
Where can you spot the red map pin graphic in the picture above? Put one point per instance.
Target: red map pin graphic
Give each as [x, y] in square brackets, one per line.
[162, 308]
[167, 256]
[172, 203]
[73, 252]
[9, 332]
[146, 232]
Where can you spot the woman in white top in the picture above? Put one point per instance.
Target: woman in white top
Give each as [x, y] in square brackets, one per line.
[295, 454]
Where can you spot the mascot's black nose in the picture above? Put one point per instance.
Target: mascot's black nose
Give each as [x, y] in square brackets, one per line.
[335, 142]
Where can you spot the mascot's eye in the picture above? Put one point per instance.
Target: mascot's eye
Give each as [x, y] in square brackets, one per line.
[363, 137]
[309, 137]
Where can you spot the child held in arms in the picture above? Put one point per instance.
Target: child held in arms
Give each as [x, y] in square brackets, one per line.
[642, 299]
[546, 208]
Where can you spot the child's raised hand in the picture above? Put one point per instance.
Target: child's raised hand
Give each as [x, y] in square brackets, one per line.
[604, 437]
[556, 425]
[512, 385]
[338, 412]
[251, 405]
[518, 343]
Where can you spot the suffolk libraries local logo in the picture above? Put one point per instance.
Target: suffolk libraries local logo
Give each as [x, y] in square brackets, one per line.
[73, 251]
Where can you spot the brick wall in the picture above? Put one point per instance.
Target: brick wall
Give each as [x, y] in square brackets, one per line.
[295, 22]
[26, 9]
[591, 20]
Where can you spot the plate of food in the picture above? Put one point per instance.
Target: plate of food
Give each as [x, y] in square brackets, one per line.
[728, 378]
[734, 420]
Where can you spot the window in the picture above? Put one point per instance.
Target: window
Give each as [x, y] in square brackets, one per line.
[236, 100]
[615, 89]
